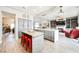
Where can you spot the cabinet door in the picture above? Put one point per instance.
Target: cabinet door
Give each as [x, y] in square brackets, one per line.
[30, 24]
[20, 26]
[67, 23]
[46, 34]
[37, 43]
[51, 35]
[53, 24]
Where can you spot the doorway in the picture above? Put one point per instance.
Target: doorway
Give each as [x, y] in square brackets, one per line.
[8, 29]
[8, 22]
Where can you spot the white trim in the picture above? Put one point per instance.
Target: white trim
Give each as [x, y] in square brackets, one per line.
[0, 27]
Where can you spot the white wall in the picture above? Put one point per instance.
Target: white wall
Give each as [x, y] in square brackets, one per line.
[0, 28]
[78, 16]
[18, 15]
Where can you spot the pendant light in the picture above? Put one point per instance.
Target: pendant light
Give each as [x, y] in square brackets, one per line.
[60, 13]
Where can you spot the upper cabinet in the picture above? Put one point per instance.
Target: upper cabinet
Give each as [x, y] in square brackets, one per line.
[70, 22]
[53, 24]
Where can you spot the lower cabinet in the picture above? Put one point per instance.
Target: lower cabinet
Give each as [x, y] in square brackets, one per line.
[49, 35]
[52, 36]
[37, 43]
[46, 34]
[32, 44]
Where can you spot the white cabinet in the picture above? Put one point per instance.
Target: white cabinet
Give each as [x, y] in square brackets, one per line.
[37, 44]
[46, 34]
[20, 26]
[30, 24]
[37, 40]
[49, 35]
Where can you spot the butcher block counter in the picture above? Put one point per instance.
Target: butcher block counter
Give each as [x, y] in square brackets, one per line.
[34, 41]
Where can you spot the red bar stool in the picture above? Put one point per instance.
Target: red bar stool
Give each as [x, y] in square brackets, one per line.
[23, 40]
[29, 46]
[26, 41]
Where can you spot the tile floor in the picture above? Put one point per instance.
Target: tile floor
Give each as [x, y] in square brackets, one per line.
[63, 45]
[10, 45]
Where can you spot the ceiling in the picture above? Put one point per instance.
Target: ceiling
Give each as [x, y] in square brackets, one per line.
[7, 14]
[68, 11]
[31, 10]
[46, 12]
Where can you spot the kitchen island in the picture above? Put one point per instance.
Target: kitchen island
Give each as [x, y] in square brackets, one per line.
[49, 33]
[35, 40]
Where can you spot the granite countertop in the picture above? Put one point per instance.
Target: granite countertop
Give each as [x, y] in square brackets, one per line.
[33, 33]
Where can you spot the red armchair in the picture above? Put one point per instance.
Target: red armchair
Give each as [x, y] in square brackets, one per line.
[74, 33]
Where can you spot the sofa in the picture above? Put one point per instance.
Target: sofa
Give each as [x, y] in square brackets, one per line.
[6, 29]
